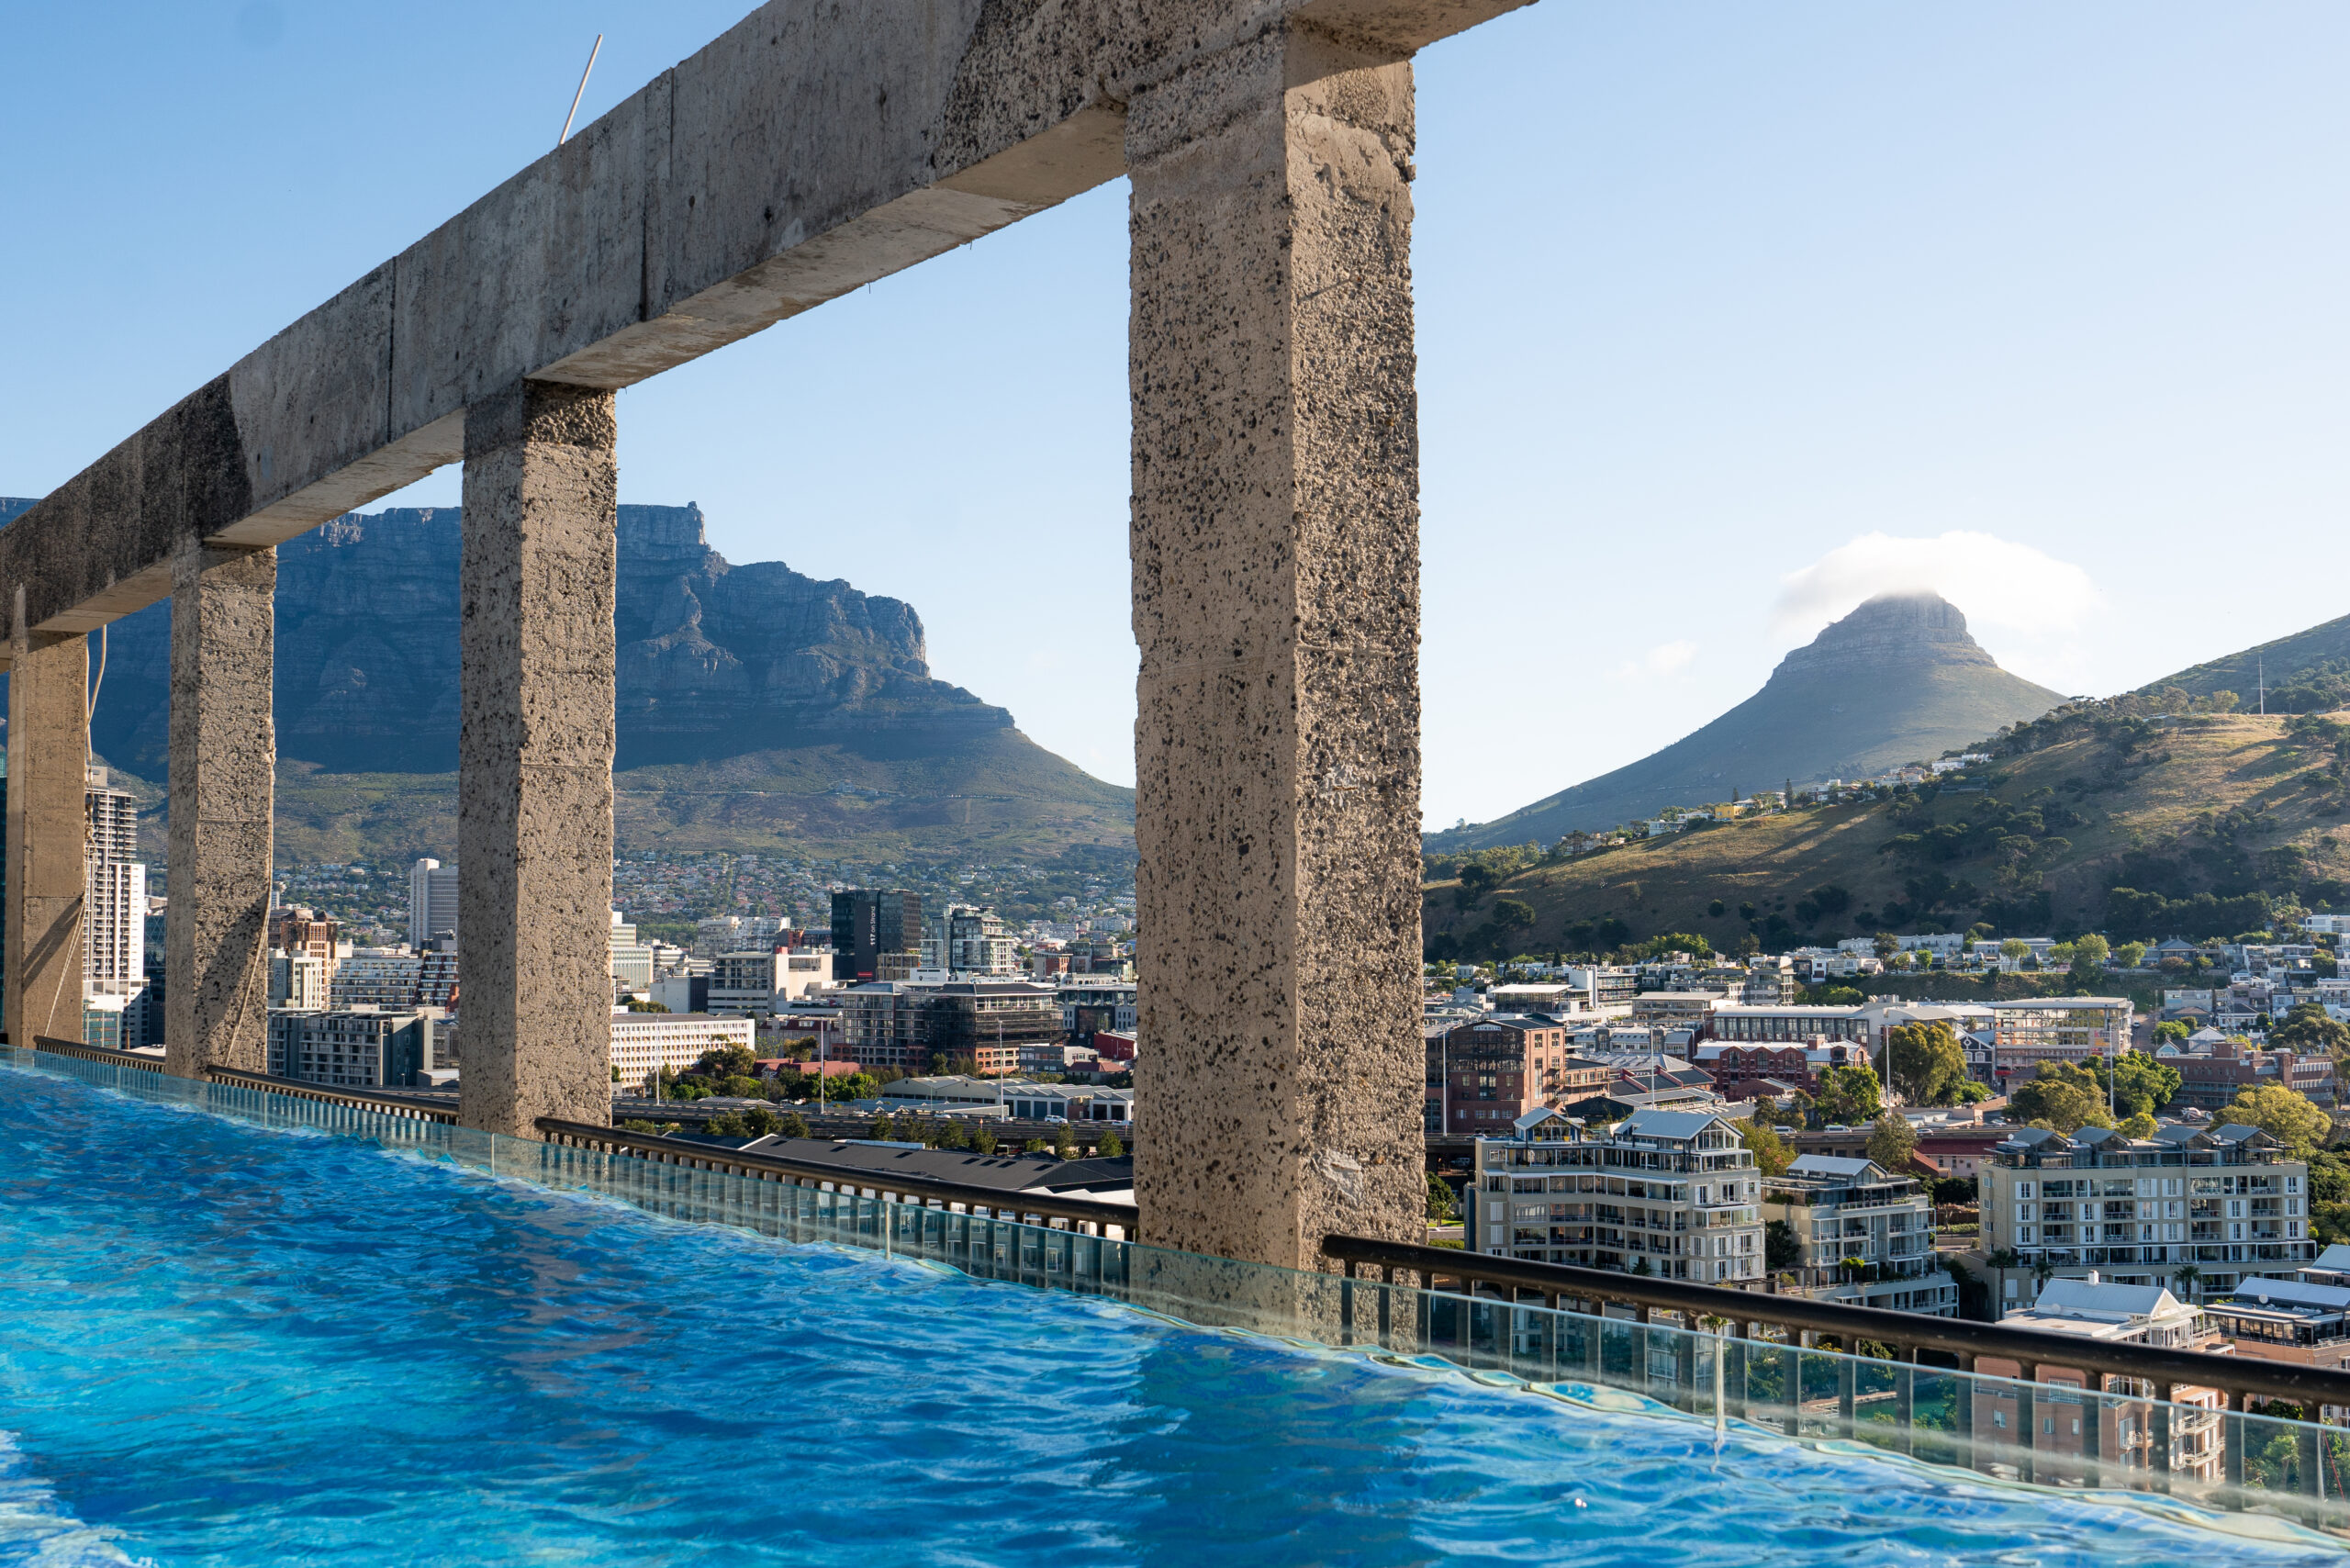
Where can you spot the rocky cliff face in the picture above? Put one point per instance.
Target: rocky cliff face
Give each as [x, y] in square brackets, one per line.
[1891, 629]
[716, 660]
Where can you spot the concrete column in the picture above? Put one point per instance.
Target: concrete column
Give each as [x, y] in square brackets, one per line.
[49, 824]
[1276, 602]
[223, 758]
[534, 759]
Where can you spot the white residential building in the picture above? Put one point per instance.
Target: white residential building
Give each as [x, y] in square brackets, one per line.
[1671, 1192]
[113, 932]
[1848, 1212]
[644, 1042]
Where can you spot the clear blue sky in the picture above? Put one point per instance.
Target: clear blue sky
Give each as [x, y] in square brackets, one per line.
[1727, 314]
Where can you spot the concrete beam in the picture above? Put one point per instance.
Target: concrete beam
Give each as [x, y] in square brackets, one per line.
[1276, 602]
[812, 149]
[538, 581]
[47, 828]
[223, 758]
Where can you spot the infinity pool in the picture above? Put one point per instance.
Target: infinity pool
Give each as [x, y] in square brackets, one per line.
[226, 1345]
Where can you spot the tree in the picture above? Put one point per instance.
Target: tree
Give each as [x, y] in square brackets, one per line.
[1036, 1145]
[2062, 1097]
[2142, 1124]
[883, 1130]
[1443, 1207]
[1112, 1146]
[2015, 950]
[1850, 1095]
[1886, 942]
[1781, 1248]
[794, 1124]
[1065, 1143]
[1477, 879]
[2172, 1031]
[2310, 1028]
[983, 1138]
[1925, 1061]
[1512, 915]
[2141, 1082]
[2091, 950]
[724, 1061]
[1773, 1154]
[2289, 1117]
[1891, 1142]
[2130, 954]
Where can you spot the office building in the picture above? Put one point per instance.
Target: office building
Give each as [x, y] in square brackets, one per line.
[1672, 1193]
[1001, 1013]
[867, 922]
[432, 903]
[360, 1047]
[1866, 1236]
[632, 959]
[2060, 1028]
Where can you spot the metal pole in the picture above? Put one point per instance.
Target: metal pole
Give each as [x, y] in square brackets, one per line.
[576, 95]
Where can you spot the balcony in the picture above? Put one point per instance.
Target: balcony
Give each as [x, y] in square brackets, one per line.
[376, 1337]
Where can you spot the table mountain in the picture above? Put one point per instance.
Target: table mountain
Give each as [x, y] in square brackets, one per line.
[1897, 680]
[757, 705]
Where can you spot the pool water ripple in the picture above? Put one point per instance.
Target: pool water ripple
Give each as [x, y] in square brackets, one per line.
[226, 1345]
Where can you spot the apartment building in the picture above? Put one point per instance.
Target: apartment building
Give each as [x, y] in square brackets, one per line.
[2061, 1028]
[2225, 1203]
[355, 1047]
[887, 1024]
[1770, 983]
[2095, 1309]
[996, 1015]
[1672, 1193]
[1867, 1235]
[645, 1042]
[374, 978]
[298, 981]
[2214, 1076]
[1483, 1073]
[1090, 1003]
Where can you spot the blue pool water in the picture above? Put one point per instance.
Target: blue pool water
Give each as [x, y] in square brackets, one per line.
[224, 1345]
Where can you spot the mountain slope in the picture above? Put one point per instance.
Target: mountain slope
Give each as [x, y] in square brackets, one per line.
[1897, 680]
[2280, 664]
[758, 708]
[2200, 821]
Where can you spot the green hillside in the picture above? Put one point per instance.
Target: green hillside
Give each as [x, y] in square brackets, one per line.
[2208, 823]
[2307, 672]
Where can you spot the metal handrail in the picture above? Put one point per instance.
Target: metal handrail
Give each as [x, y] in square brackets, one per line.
[996, 1200]
[1909, 1332]
[363, 1099]
[96, 1053]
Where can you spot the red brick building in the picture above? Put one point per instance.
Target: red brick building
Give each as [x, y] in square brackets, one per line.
[1483, 1074]
[1738, 1071]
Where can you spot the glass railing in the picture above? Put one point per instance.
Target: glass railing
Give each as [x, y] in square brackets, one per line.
[2118, 1445]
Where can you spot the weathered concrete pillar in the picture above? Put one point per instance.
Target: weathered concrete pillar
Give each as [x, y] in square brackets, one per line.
[1276, 600]
[48, 749]
[534, 759]
[223, 756]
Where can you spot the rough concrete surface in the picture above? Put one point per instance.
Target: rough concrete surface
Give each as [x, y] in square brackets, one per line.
[48, 827]
[223, 759]
[1276, 602]
[539, 575]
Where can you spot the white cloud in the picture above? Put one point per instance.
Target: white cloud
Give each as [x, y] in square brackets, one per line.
[2033, 605]
[1665, 658]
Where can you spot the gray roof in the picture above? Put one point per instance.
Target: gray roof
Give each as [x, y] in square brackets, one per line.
[1830, 1165]
[2290, 1292]
[1668, 1124]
